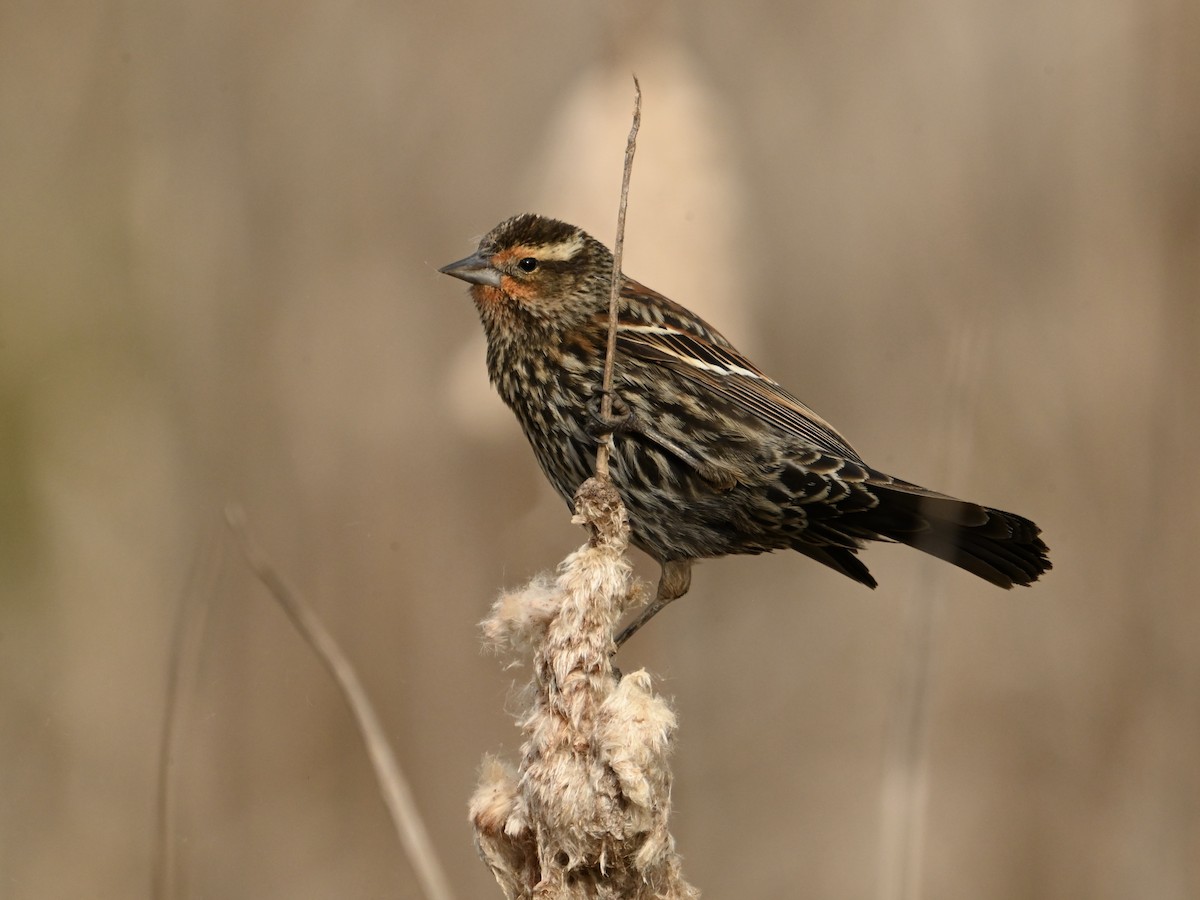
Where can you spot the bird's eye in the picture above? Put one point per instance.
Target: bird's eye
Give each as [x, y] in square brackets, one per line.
[528, 264]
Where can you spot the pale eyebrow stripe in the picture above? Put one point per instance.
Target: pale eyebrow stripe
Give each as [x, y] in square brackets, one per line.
[561, 251]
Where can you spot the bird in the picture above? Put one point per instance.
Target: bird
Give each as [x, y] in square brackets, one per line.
[710, 455]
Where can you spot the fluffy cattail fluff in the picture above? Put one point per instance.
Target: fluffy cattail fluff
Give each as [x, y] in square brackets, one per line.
[585, 814]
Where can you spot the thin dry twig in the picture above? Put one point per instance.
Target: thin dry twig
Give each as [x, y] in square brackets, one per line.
[605, 448]
[397, 795]
[906, 767]
[186, 640]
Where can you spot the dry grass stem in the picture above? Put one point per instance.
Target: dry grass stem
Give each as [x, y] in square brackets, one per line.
[585, 813]
[182, 665]
[905, 793]
[613, 300]
[397, 795]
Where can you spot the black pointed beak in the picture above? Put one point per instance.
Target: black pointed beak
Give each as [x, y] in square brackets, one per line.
[476, 269]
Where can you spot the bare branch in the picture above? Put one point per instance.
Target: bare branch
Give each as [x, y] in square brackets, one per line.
[397, 795]
[186, 640]
[602, 452]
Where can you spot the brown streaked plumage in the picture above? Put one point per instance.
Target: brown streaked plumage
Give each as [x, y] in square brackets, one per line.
[713, 457]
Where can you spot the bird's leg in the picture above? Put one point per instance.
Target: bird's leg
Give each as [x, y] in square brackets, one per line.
[599, 424]
[674, 582]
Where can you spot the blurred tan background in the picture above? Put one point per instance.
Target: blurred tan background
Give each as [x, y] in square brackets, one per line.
[967, 232]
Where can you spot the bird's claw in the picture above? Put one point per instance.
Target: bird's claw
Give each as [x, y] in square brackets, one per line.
[599, 425]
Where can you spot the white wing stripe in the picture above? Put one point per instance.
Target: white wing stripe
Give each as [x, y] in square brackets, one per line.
[689, 359]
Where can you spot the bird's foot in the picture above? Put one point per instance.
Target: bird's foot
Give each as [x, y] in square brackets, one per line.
[618, 420]
[674, 582]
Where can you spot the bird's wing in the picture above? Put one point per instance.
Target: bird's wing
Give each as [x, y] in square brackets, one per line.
[719, 370]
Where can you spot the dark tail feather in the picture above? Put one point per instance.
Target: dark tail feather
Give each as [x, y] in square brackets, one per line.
[841, 559]
[998, 546]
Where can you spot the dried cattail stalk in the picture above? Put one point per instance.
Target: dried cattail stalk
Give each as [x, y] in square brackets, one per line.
[585, 815]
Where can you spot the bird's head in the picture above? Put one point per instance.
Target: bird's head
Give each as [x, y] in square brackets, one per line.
[533, 273]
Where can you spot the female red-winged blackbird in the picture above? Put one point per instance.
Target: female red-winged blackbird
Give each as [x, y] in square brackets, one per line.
[710, 456]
